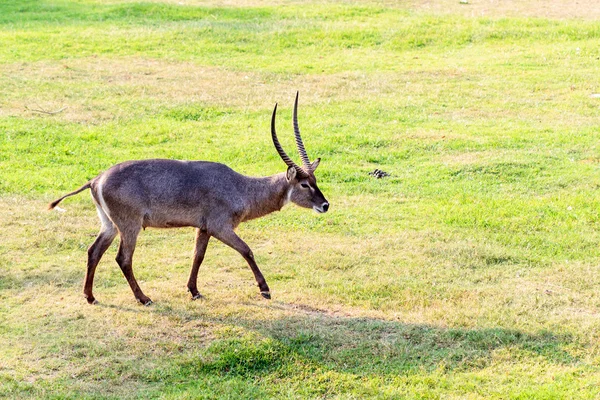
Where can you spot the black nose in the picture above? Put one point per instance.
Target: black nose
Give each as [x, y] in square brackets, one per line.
[325, 206]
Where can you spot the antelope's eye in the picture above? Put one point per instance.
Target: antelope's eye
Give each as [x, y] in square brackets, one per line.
[304, 185]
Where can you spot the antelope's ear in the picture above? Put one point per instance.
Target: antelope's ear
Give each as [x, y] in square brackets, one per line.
[291, 174]
[315, 164]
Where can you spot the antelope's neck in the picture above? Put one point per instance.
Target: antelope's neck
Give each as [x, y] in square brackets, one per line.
[267, 195]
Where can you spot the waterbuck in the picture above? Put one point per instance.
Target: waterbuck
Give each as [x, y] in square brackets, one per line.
[208, 196]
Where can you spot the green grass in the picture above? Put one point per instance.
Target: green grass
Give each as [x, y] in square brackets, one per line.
[470, 272]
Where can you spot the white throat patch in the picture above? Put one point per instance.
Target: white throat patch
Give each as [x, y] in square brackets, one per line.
[288, 196]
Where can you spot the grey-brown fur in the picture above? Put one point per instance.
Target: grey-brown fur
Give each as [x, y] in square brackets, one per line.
[208, 196]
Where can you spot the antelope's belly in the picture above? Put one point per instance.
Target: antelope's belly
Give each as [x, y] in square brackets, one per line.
[172, 220]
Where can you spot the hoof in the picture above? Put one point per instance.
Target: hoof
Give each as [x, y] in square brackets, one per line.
[266, 295]
[146, 303]
[195, 296]
[91, 300]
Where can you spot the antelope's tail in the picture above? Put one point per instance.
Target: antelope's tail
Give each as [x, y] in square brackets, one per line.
[81, 189]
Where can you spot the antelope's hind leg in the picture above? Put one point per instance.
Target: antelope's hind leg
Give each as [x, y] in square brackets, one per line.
[202, 239]
[125, 261]
[107, 234]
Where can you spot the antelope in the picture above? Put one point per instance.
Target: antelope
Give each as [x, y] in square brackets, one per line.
[208, 196]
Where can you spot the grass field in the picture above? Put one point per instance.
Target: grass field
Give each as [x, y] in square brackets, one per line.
[471, 272]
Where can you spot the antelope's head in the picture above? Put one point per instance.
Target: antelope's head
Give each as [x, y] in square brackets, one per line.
[303, 184]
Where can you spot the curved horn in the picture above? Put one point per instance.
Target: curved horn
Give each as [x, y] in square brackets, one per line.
[286, 159]
[299, 143]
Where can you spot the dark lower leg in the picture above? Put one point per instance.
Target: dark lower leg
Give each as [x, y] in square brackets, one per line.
[124, 259]
[232, 240]
[201, 244]
[260, 279]
[95, 252]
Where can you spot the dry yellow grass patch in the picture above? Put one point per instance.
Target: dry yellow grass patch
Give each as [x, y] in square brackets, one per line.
[472, 157]
[554, 9]
[83, 85]
[396, 278]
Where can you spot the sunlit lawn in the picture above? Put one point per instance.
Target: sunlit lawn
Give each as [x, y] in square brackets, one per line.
[472, 271]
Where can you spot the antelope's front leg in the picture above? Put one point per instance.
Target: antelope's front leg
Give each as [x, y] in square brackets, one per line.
[230, 238]
[202, 239]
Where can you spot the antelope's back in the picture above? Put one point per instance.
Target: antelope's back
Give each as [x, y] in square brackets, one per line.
[162, 190]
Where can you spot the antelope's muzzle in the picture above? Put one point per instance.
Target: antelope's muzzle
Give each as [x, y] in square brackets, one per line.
[323, 209]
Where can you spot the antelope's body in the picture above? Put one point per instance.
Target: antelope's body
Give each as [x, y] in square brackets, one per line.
[209, 196]
[171, 193]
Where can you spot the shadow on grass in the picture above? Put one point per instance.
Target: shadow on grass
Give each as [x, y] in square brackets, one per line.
[340, 354]
[303, 353]
[341, 343]
[316, 341]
